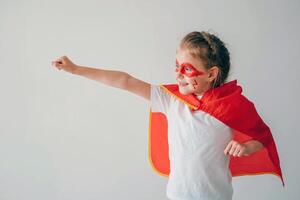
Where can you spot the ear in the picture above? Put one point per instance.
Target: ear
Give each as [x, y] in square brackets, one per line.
[213, 73]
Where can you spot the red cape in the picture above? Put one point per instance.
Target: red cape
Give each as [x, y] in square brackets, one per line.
[227, 104]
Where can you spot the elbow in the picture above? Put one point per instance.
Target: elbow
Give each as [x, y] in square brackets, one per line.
[123, 82]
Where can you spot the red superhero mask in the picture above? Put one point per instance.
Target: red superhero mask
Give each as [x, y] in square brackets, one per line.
[187, 69]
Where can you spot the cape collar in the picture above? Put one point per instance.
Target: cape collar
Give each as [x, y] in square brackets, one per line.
[224, 91]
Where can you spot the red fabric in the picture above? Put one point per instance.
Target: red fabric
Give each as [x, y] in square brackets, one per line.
[159, 147]
[227, 104]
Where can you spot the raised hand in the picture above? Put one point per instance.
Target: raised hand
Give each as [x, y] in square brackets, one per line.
[64, 63]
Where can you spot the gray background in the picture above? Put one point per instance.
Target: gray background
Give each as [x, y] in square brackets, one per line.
[66, 137]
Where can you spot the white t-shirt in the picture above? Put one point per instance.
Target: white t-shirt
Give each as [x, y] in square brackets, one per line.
[199, 170]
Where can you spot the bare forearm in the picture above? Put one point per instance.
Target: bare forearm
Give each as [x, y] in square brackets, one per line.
[112, 78]
[253, 146]
[236, 148]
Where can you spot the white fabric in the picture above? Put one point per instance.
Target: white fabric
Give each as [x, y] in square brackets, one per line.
[199, 170]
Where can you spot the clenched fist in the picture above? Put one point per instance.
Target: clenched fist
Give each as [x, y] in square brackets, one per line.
[235, 148]
[65, 63]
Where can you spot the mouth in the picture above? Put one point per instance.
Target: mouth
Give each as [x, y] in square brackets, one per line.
[182, 84]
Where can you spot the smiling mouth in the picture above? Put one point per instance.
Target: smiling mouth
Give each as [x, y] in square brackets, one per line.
[182, 84]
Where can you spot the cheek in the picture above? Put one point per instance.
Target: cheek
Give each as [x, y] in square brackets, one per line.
[194, 82]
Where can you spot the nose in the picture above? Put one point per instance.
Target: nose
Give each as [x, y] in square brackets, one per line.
[179, 75]
[178, 69]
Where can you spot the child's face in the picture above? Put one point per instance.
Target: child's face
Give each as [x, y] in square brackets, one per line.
[190, 73]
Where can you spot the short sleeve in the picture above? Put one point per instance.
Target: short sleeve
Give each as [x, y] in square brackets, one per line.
[160, 99]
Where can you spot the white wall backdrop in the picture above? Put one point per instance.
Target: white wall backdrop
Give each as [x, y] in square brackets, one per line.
[64, 137]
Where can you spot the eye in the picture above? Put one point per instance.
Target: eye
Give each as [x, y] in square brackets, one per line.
[187, 69]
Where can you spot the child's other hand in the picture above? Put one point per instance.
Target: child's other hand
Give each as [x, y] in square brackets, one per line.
[235, 148]
[64, 63]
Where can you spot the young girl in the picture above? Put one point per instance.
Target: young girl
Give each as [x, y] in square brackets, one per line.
[203, 130]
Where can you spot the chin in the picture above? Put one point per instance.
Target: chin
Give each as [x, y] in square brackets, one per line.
[184, 92]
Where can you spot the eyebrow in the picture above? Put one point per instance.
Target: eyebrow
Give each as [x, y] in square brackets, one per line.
[185, 64]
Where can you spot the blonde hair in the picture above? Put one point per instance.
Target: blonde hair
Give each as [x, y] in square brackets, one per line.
[212, 52]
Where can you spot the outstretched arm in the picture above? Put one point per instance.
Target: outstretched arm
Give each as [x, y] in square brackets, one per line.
[111, 78]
